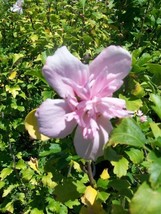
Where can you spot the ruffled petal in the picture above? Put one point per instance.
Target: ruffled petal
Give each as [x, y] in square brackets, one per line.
[111, 107]
[51, 116]
[62, 69]
[108, 70]
[91, 149]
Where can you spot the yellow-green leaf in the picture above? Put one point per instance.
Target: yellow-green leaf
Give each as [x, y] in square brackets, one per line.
[14, 90]
[5, 172]
[31, 126]
[89, 196]
[9, 189]
[36, 211]
[104, 175]
[12, 75]
[9, 207]
[16, 57]
[33, 163]
[120, 167]
[155, 129]
[47, 180]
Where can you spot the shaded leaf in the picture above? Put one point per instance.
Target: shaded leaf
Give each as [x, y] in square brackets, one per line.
[146, 200]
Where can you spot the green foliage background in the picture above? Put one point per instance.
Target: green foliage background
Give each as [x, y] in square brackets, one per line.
[48, 177]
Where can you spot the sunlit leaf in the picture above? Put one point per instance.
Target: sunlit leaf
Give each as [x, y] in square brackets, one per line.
[33, 163]
[36, 211]
[131, 104]
[31, 126]
[103, 196]
[47, 180]
[120, 167]
[76, 166]
[9, 207]
[104, 175]
[135, 155]
[155, 129]
[156, 99]
[2, 184]
[72, 203]
[5, 172]
[16, 57]
[21, 164]
[128, 133]
[12, 75]
[89, 196]
[27, 174]
[9, 189]
[138, 91]
[13, 90]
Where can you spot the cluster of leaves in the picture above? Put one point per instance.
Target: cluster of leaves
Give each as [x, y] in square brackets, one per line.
[46, 176]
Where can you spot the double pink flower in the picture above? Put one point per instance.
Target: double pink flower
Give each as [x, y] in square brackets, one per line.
[87, 103]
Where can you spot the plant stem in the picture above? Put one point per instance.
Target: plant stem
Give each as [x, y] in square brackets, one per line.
[89, 173]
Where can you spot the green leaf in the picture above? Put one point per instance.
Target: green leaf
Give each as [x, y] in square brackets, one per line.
[66, 191]
[2, 184]
[102, 183]
[156, 99]
[103, 196]
[27, 174]
[17, 57]
[110, 154]
[36, 211]
[154, 68]
[132, 105]
[138, 91]
[154, 169]
[120, 167]
[135, 155]
[155, 173]
[155, 129]
[54, 148]
[83, 4]
[146, 200]
[5, 172]
[21, 164]
[128, 133]
[47, 180]
[9, 189]
[72, 203]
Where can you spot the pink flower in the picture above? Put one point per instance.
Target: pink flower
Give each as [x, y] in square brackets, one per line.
[87, 103]
[143, 118]
[17, 7]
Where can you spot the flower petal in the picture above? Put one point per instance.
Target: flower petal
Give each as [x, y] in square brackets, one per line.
[108, 70]
[116, 59]
[62, 69]
[91, 149]
[113, 107]
[52, 121]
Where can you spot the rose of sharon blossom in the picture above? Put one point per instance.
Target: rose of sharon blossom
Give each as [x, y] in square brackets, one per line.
[17, 7]
[87, 104]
